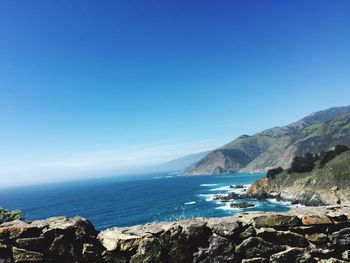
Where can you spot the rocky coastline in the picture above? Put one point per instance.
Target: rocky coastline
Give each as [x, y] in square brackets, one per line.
[312, 179]
[305, 234]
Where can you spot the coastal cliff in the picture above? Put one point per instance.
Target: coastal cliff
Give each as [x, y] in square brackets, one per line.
[306, 234]
[277, 146]
[312, 179]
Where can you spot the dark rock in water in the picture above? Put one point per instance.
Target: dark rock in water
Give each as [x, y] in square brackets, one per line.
[228, 197]
[237, 186]
[241, 205]
[257, 247]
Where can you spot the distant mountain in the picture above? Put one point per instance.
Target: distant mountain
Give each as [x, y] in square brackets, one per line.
[277, 146]
[181, 163]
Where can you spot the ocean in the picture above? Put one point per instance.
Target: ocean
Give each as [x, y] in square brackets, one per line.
[132, 200]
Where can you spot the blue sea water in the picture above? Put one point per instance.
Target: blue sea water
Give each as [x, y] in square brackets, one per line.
[131, 200]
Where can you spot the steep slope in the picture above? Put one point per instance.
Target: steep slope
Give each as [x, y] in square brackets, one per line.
[311, 180]
[275, 146]
[311, 139]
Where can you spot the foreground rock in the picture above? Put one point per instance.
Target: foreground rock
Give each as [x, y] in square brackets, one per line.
[309, 234]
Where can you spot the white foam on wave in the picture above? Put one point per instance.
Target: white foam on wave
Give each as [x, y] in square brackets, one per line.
[223, 188]
[208, 197]
[162, 177]
[208, 185]
[228, 207]
[275, 201]
[298, 205]
[190, 203]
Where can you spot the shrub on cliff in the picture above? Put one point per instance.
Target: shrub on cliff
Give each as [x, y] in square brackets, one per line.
[303, 164]
[327, 156]
[273, 172]
[7, 216]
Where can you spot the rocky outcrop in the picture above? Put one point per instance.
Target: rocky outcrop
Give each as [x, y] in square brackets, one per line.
[56, 239]
[321, 179]
[278, 146]
[309, 234]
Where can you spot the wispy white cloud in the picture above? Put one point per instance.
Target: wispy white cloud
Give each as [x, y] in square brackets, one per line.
[133, 156]
[113, 161]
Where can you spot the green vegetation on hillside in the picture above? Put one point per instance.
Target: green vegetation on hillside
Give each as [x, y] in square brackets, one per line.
[7, 216]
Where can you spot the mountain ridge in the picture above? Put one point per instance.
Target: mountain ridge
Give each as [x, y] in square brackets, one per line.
[270, 148]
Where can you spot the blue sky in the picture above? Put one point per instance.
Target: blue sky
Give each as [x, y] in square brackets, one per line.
[94, 87]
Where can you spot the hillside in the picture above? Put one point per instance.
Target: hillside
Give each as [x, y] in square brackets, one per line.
[322, 179]
[277, 146]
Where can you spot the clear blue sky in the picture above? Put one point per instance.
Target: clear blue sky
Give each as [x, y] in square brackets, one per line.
[94, 86]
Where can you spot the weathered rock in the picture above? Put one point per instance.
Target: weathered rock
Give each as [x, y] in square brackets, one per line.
[317, 238]
[341, 238]
[257, 247]
[255, 260]
[316, 220]
[292, 255]
[276, 220]
[247, 237]
[38, 244]
[346, 255]
[249, 232]
[5, 253]
[81, 226]
[220, 250]
[24, 256]
[283, 238]
[91, 253]
[114, 238]
[64, 250]
[226, 227]
[16, 229]
[307, 230]
[333, 260]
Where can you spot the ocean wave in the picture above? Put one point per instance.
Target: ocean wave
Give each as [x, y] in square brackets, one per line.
[227, 207]
[208, 197]
[208, 185]
[161, 177]
[190, 203]
[275, 201]
[232, 189]
[222, 188]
